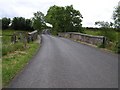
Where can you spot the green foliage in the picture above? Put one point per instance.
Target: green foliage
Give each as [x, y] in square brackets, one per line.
[116, 16]
[5, 22]
[64, 19]
[106, 30]
[110, 34]
[28, 24]
[54, 33]
[92, 32]
[20, 23]
[103, 24]
[117, 46]
[38, 21]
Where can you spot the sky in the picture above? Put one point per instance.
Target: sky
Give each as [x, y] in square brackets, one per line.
[91, 10]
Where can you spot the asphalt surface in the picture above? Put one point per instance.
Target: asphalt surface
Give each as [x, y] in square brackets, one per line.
[62, 63]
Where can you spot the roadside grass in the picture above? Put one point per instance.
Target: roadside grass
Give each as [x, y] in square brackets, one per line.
[15, 57]
[14, 62]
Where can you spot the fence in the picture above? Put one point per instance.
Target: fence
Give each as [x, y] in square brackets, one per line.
[95, 40]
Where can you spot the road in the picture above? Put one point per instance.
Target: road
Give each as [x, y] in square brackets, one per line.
[62, 63]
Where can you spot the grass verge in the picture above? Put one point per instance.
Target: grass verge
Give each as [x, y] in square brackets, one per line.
[13, 62]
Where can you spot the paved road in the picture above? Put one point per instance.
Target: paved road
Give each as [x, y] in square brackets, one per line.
[62, 63]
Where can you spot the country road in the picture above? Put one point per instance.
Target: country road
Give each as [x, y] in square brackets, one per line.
[62, 63]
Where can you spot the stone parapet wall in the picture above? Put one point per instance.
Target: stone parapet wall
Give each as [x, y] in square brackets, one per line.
[95, 40]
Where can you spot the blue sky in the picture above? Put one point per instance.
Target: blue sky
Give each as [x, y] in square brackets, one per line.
[91, 10]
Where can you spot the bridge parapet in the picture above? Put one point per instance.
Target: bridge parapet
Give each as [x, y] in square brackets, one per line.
[95, 40]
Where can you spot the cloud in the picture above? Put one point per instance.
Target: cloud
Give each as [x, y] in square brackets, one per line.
[91, 10]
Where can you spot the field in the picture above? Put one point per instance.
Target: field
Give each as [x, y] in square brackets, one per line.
[111, 35]
[14, 56]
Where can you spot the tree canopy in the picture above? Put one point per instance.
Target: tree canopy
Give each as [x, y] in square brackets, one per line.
[64, 19]
[38, 21]
[20, 23]
[116, 16]
[5, 22]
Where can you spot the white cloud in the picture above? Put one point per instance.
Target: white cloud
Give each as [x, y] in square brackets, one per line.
[92, 10]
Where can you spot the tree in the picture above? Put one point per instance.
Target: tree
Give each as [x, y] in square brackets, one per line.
[55, 17]
[116, 16]
[18, 23]
[5, 22]
[74, 19]
[28, 24]
[38, 21]
[64, 19]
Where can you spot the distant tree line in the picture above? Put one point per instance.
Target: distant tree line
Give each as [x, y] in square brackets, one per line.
[17, 23]
[20, 23]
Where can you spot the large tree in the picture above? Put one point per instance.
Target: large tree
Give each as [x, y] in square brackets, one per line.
[38, 21]
[116, 16]
[64, 19]
[5, 22]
